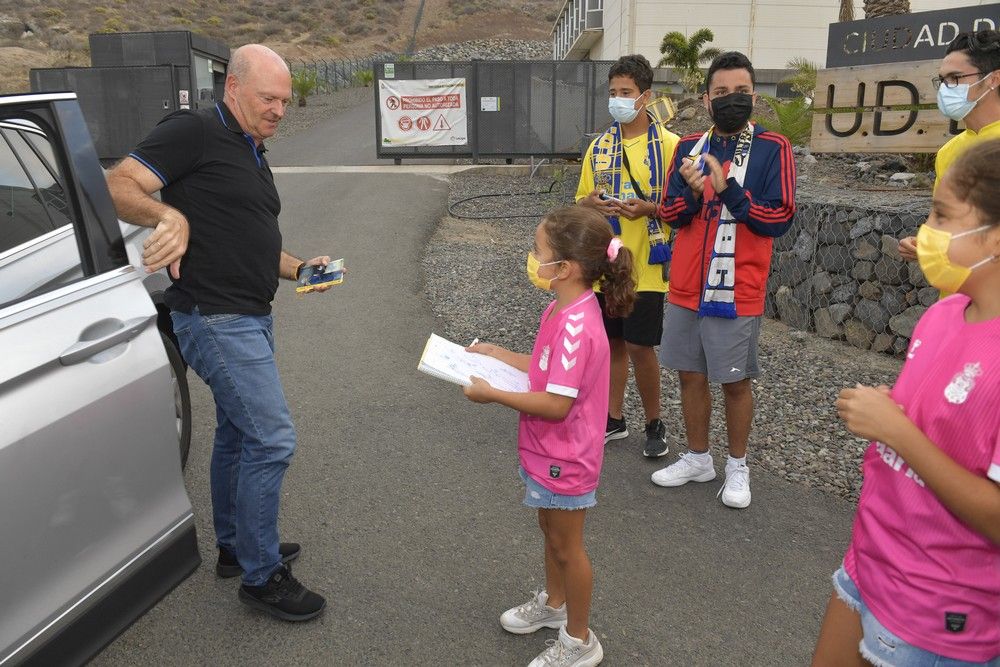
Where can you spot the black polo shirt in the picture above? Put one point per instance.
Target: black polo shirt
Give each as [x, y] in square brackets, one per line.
[218, 178]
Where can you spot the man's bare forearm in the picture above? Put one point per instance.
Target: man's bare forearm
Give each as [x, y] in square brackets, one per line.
[134, 205]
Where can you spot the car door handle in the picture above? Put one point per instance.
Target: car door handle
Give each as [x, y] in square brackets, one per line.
[88, 348]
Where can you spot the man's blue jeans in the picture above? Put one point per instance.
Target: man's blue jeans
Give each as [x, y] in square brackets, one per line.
[254, 438]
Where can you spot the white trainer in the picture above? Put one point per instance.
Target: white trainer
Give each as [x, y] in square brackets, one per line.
[683, 470]
[533, 615]
[569, 651]
[735, 490]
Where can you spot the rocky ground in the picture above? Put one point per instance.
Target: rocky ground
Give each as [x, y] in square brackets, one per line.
[474, 279]
[487, 49]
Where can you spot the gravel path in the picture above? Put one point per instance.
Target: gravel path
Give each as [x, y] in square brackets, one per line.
[474, 278]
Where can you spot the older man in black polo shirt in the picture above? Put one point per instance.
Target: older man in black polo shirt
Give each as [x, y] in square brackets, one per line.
[217, 230]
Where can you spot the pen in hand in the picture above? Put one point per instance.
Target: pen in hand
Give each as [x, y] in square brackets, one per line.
[475, 341]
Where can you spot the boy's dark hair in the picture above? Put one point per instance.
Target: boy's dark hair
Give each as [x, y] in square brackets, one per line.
[637, 68]
[729, 60]
[582, 235]
[983, 49]
[975, 179]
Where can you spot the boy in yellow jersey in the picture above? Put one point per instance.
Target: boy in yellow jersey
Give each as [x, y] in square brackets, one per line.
[622, 177]
[967, 85]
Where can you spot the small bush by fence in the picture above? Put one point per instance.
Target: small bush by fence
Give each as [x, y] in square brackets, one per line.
[332, 75]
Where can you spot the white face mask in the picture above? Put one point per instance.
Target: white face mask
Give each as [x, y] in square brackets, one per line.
[622, 109]
[954, 102]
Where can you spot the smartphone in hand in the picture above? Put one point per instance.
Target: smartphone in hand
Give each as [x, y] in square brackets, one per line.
[313, 276]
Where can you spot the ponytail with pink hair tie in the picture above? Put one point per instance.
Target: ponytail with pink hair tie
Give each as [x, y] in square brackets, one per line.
[613, 248]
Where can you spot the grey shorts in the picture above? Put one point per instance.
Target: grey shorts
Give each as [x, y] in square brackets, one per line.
[724, 350]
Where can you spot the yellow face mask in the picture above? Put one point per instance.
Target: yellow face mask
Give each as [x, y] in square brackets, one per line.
[932, 254]
[536, 280]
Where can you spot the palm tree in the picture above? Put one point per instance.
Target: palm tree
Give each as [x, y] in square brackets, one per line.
[686, 54]
[876, 8]
[846, 10]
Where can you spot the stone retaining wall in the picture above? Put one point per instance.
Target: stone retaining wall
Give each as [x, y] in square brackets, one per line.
[838, 272]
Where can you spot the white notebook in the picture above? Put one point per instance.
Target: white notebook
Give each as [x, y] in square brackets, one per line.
[449, 361]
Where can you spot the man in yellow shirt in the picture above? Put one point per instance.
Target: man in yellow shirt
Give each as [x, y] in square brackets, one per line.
[627, 165]
[967, 91]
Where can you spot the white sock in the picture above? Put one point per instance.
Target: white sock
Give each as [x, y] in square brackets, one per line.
[734, 462]
[702, 458]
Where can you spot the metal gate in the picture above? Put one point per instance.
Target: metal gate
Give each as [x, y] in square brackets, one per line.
[545, 107]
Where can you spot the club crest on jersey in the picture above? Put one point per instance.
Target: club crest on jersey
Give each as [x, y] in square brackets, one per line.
[543, 362]
[962, 384]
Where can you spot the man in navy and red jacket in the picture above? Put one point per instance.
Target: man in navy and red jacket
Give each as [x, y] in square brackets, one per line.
[729, 193]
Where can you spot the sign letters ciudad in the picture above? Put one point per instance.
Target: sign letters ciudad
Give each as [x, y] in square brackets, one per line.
[876, 93]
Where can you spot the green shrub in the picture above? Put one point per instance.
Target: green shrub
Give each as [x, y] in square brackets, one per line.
[331, 40]
[214, 21]
[114, 24]
[53, 13]
[364, 77]
[792, 118]
[304, 83]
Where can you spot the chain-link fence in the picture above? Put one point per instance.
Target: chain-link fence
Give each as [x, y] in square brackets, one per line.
[333, 75]
[838, 273]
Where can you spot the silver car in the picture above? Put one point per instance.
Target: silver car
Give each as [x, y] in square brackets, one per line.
[94, 411]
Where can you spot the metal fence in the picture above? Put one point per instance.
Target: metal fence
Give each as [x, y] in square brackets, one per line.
[838, 273]
[332, 75]
[545, 107]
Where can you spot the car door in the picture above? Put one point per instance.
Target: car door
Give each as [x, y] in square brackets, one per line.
[96, 523]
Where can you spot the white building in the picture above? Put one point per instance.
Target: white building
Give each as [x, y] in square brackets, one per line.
[769, 32]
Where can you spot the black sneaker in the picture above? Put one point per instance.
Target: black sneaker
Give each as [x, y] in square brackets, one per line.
[616, 429]
[656, 440]
[283, 596]
[227, 565]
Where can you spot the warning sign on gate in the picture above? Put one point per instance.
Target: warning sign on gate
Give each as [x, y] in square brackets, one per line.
[423, 112]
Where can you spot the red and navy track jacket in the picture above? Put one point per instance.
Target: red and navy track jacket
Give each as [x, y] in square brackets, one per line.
[765, 204]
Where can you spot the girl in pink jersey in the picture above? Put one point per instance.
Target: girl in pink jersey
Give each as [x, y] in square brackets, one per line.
[561, 432]
[920, 583]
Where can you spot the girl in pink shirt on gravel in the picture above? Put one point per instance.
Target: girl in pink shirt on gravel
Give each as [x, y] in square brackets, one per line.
[920, 583]
[561, 432]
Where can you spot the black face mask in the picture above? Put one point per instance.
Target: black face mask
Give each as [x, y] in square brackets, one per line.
[731, 112]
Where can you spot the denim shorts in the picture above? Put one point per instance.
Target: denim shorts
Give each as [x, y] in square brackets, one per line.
[538, 497]
[879, 645]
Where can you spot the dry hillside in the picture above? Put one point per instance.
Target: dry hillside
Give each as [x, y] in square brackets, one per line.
[49, 33]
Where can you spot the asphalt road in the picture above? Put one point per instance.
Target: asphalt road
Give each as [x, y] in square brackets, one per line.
[406, 499]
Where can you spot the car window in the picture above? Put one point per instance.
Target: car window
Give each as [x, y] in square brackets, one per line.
[40, 164]
[38, 248]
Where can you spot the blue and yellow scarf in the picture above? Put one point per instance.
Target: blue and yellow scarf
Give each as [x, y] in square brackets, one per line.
[608, 172]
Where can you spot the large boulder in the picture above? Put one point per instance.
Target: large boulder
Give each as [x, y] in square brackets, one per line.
[870, 290]
[791, 311]
[863, 270]
[928, 296]
[865, 248]
[834, 259]
[845, 293]
[858, 334]
[826, 326]
[893, 300]
[891, 271]
[872, 314]
[903, 323]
